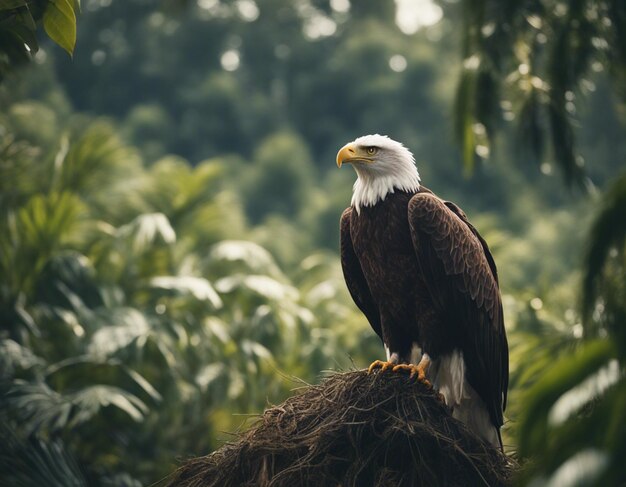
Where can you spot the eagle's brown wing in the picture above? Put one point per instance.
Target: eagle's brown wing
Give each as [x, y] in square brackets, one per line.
[461, 277]
[353, 274]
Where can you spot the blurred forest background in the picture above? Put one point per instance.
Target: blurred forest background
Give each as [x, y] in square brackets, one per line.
[169, 207]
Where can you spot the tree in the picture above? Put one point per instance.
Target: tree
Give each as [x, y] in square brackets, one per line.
[130, 317]
[535, 61]
[536, 58]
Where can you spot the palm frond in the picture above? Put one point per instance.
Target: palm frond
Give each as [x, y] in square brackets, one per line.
[147, 229]
[606, 243]
[178, 190]
[121, 330]
[543, 45]
[587, 447]
[33, 234]
[261, 285]
[118, 329]
[74, 370]
[90, 400]
[18, 157]
[197, 287]
[14, 356]
[92, 161]
[564, 375]
[35, 462]
[66, 278]
[232, 256]
[42, 409]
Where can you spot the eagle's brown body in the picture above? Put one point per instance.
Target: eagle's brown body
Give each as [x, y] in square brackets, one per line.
[386, 257]
[422, 275]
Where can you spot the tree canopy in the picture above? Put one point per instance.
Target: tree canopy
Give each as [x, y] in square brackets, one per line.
[169, 209]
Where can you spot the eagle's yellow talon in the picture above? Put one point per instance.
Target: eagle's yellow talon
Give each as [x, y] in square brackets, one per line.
[414, 370]
[407, 367]
[379, 364]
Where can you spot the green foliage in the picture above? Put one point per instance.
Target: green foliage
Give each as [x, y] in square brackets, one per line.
[32, 234]
[27, 462]
[170, 268]
[42, 409]
[59, 21]
[603, 283]
[545, 56]
[124, 309]
[574, 414]
[279, 181]
[535, 61]
[561, 377]
[574, 418]
[18, 27]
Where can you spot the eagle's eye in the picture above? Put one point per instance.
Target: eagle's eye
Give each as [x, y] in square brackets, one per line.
[371, 150]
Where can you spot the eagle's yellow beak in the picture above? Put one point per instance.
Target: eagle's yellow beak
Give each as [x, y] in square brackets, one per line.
[351, 153]
[346, 153]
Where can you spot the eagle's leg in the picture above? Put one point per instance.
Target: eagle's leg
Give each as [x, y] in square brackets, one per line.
[418, 370]
[379, 364]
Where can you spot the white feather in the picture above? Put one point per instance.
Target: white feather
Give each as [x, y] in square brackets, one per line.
[416, 353]
[448, 376]
[393, 168]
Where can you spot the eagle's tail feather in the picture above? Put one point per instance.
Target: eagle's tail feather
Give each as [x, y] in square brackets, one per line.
[473, 412]
[448, 377]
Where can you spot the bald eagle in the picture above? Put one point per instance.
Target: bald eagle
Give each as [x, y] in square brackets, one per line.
[427, 283]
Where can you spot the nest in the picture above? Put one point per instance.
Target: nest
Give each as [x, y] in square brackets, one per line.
[353, 429]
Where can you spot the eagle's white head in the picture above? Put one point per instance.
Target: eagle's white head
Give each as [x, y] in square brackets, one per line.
[382, 165]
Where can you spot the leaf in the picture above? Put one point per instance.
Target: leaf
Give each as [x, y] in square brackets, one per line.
[146, 229]
[33, 234]
[198, 287]
[608, 231]
[59, 21]
[209, 373]
[68, 279]
[27, 19]
[130, 404]
[32, 461]
[27, 36]
[562, 377]
[251, 348]
[11, 4]
[93, 160]
[464, 113]
[236, 385]
[15, 356]
[90, 400]
[264, 286]
[244, 256]
[144, 384]
[217, 329]
[583, 468]
[584, 393]
[118, 329]
[42, 408]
